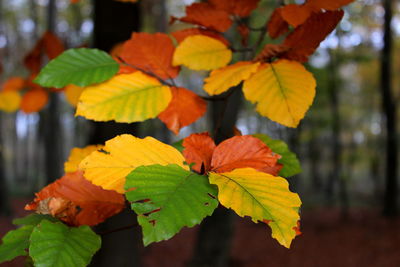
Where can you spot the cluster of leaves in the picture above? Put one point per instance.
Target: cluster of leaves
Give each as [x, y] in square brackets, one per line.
[171, 187]
[19, 93]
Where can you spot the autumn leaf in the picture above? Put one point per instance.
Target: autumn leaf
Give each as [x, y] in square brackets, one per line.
[77, 155]
[283, 91]
[183, 34]
[52, 45]
[76, 201]
[276, 25]
[305, 39]
[151, 53]
[48, 44]
[185, 108]
[34, 100]
[124, 98]
[206, 15]
[201, 52]
[242, 152]
[73, 93]
[241, 8]
[14, 84]
[167, 198]
[9, 101]
[121, 155]
[198, 150]
[220, 80]
[261, 196]
[296, 15]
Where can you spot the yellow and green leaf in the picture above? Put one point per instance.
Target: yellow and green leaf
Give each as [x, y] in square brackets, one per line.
[283, 91]
[261, 196]
[200, 52]
[125, 98]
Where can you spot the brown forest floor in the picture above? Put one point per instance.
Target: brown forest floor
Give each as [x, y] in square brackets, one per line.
[365, 239]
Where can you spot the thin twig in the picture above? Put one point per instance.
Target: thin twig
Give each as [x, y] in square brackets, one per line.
[127, 227]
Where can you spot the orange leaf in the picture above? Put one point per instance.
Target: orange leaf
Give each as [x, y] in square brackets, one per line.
[305, 39]
[206, 15]
[244, 152]
[182, 34]
[14, 84]
[241, 8]
[296, 15]
[34, 100]
[327, 4]
[199, 149]
[76, 201]
[276, 24]
[151, 53]
[185, 108]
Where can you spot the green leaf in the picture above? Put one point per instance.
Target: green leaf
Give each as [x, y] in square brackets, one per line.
[291, 164]
[55, 244]
[178, 145]
[80, 66]
[33, 219]
[167, 198]
[15, 243]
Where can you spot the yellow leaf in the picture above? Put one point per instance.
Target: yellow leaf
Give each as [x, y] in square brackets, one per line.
[121, 155]
[124, 98]
[9, 101]
[77, 155]
[283, 91]
[221, 80]
[72, 94]
[200, 52]
[261, 196]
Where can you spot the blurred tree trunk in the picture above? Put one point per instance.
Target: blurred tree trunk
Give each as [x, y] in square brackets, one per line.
[51, 118]
[113, 23]
[4, 204]
[214, 239]
[390, 110]
[336, 176]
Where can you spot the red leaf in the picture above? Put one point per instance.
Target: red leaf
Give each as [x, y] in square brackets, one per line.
[296, 15]
[76, 201]
[52, 45]
[182, 34]
[152, 53]
[49, 44]
[305, 39]
[185, 108]
[244, 152]
[242, 8]
[277, 25]
[199, 150]
[206, 15]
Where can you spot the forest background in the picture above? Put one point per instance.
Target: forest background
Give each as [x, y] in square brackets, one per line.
[348, 187]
